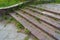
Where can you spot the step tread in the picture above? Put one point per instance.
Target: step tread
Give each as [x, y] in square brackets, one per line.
[52, 11]
[34, 30]
[40, 20]
[45, 13]
[34, 21]
[44, 18]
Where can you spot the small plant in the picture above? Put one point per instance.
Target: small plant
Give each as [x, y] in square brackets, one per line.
[19, 25]
[27, 31]
[57, 1]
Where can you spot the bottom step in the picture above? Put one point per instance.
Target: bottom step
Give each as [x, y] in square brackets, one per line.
[33, 29]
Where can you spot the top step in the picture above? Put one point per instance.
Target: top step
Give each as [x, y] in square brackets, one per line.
[53, 8]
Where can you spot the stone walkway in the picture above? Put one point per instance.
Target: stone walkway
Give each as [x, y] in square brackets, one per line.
[10, 32]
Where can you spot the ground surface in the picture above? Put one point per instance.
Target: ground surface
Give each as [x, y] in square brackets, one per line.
[10, 32]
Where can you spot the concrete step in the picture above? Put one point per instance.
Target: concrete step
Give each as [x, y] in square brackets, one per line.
[47, 20]
[52, 15]
[39, 25]
[33, 29]
[51, 11]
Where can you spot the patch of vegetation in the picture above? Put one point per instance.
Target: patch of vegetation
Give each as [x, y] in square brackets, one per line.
[4, 3]
[57, 1]
[35, 2]
[56, 19]
[19, 25]
[38, 19]
[27, 31]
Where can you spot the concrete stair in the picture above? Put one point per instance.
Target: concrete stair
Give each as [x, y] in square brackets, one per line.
[41, 24]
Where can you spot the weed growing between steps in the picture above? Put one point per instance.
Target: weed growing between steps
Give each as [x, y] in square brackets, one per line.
[27, 31]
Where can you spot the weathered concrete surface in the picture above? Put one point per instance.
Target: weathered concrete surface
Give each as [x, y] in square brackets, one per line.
[10, 32]
[52, 7]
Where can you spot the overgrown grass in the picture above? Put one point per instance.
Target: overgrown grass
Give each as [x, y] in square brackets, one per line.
[27, 31]
[4, 3]
[57, 1]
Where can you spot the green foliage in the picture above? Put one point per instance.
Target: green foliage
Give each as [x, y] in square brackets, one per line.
[27, 31]
[4, 3]
[35, 2]
[57, 1]
[19, 25]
